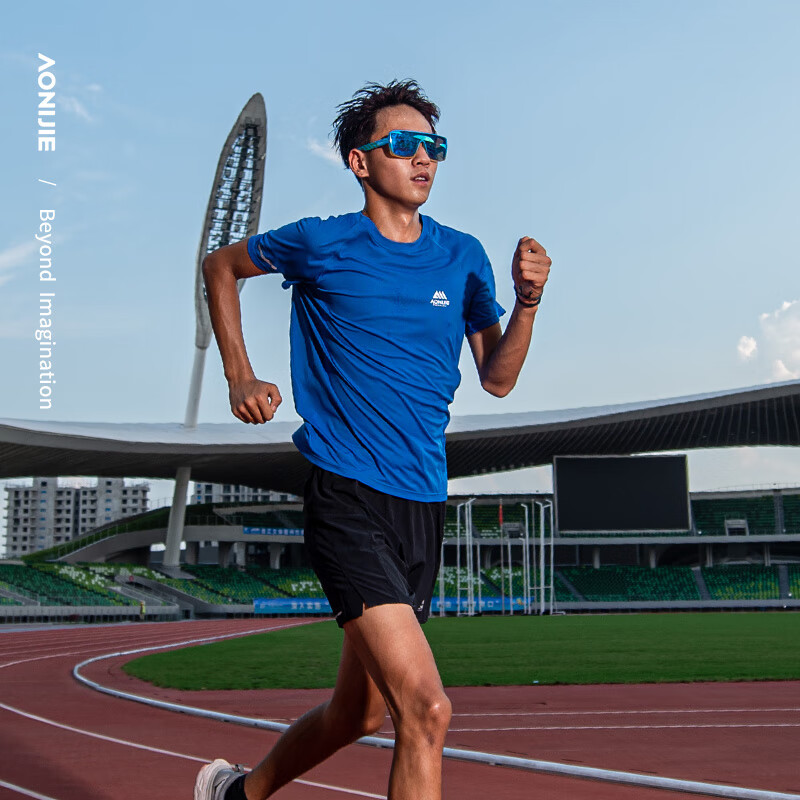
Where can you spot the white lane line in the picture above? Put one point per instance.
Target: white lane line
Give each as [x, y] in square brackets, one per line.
[27, 792]
[101, 736]
[97, 647]
[118, 637]
[51, 646]
[626, 727]
[121, 634]
[160, 751]
[90, 632]
[640, 711]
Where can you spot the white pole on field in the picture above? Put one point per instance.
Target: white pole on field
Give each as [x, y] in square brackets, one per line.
[441, 581]
[510, 576]
[526, 566]
[534, 590]
[502, 574]
[480, 575]
[470, 559]
[458, 559]
[552, 561]
[541, 555]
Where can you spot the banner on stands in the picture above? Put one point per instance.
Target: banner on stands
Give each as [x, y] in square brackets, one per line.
[319, 605]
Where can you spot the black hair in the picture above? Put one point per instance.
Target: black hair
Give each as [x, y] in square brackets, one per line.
[355, 124]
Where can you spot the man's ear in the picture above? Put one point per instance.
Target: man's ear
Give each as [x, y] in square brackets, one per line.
[358, 163]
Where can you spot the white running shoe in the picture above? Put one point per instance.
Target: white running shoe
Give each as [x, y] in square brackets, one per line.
[214, 779]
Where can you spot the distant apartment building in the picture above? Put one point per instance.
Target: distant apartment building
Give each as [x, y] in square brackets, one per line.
[236, 493]
[46, 513]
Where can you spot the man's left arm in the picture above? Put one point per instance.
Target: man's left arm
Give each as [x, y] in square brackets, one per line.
[499, 356]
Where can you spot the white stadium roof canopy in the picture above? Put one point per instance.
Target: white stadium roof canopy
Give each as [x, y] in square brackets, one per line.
[264, 455]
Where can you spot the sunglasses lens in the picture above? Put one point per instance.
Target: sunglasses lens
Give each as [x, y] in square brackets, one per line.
[405, 143]
[438, 149]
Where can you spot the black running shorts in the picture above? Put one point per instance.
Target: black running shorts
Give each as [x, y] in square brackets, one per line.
[369, 548]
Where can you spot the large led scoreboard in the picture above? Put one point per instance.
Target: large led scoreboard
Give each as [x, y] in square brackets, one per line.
[619, 494]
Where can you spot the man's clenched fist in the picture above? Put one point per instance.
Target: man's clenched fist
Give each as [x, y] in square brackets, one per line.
[253, 400]
[529, 269]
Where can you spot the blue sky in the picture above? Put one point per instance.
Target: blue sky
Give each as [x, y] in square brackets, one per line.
[650, 146]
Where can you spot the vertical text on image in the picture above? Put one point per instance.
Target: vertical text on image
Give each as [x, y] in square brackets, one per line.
[44, 331]
[47, 106]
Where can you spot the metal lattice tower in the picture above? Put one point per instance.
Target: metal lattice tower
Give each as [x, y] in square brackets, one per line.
[233, 212]
[234, 206]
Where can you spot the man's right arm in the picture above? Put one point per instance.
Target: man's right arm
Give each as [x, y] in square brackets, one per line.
[252, 400]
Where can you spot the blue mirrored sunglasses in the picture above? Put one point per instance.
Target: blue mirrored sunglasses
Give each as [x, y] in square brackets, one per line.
[404, 144]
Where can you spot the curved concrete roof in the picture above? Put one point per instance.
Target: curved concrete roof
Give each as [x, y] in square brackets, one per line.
[265, 456]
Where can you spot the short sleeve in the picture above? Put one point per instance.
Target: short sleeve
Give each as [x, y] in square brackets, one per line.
[287, 250]
[484, 310]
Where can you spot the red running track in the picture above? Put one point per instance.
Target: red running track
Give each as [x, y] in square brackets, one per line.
[61, 740]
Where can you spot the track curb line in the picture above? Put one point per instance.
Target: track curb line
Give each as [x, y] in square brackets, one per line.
[529, 764]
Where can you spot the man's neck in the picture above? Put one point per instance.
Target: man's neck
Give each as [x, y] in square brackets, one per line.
[398, 224]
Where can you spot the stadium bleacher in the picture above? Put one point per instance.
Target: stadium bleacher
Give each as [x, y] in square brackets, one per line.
[791, 513]
[8, 601]
[196, 589]
[742, 582]
[451, 581]
[296, 582]
[486, 520]
[109, 571]
[710, 514]
[46, 585]
[794, 579]
[237, 586]
[623, 583]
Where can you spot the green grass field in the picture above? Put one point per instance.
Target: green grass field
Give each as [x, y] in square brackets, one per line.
[502, 651]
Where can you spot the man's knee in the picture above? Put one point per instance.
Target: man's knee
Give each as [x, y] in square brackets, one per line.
[427, 713]
[440, 711]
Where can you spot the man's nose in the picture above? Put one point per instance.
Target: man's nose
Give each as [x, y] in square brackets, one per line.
[421, 156]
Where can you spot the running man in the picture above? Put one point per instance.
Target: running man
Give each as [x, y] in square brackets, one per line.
[381, 302]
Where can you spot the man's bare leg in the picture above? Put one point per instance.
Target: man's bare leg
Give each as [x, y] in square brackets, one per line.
[390, 643]
[356, 709]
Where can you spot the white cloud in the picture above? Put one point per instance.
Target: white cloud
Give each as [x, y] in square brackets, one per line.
[16, 256]
[94, 87]
[747, 347]
[324, 151]
[782, 373]
[74, 106]
[778, 345]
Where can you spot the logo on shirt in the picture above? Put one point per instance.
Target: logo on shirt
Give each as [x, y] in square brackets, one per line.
[439, 298]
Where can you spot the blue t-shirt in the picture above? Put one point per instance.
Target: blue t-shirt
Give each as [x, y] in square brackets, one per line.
[376, 334]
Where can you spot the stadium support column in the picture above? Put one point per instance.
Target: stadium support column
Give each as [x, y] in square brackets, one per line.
[192, 552]
[275, 550]
[177, 512]
[223, 553]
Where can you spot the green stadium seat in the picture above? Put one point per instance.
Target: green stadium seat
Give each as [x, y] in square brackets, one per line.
[628, 583]
[742, 582]
[710, 514]
[62, 585]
